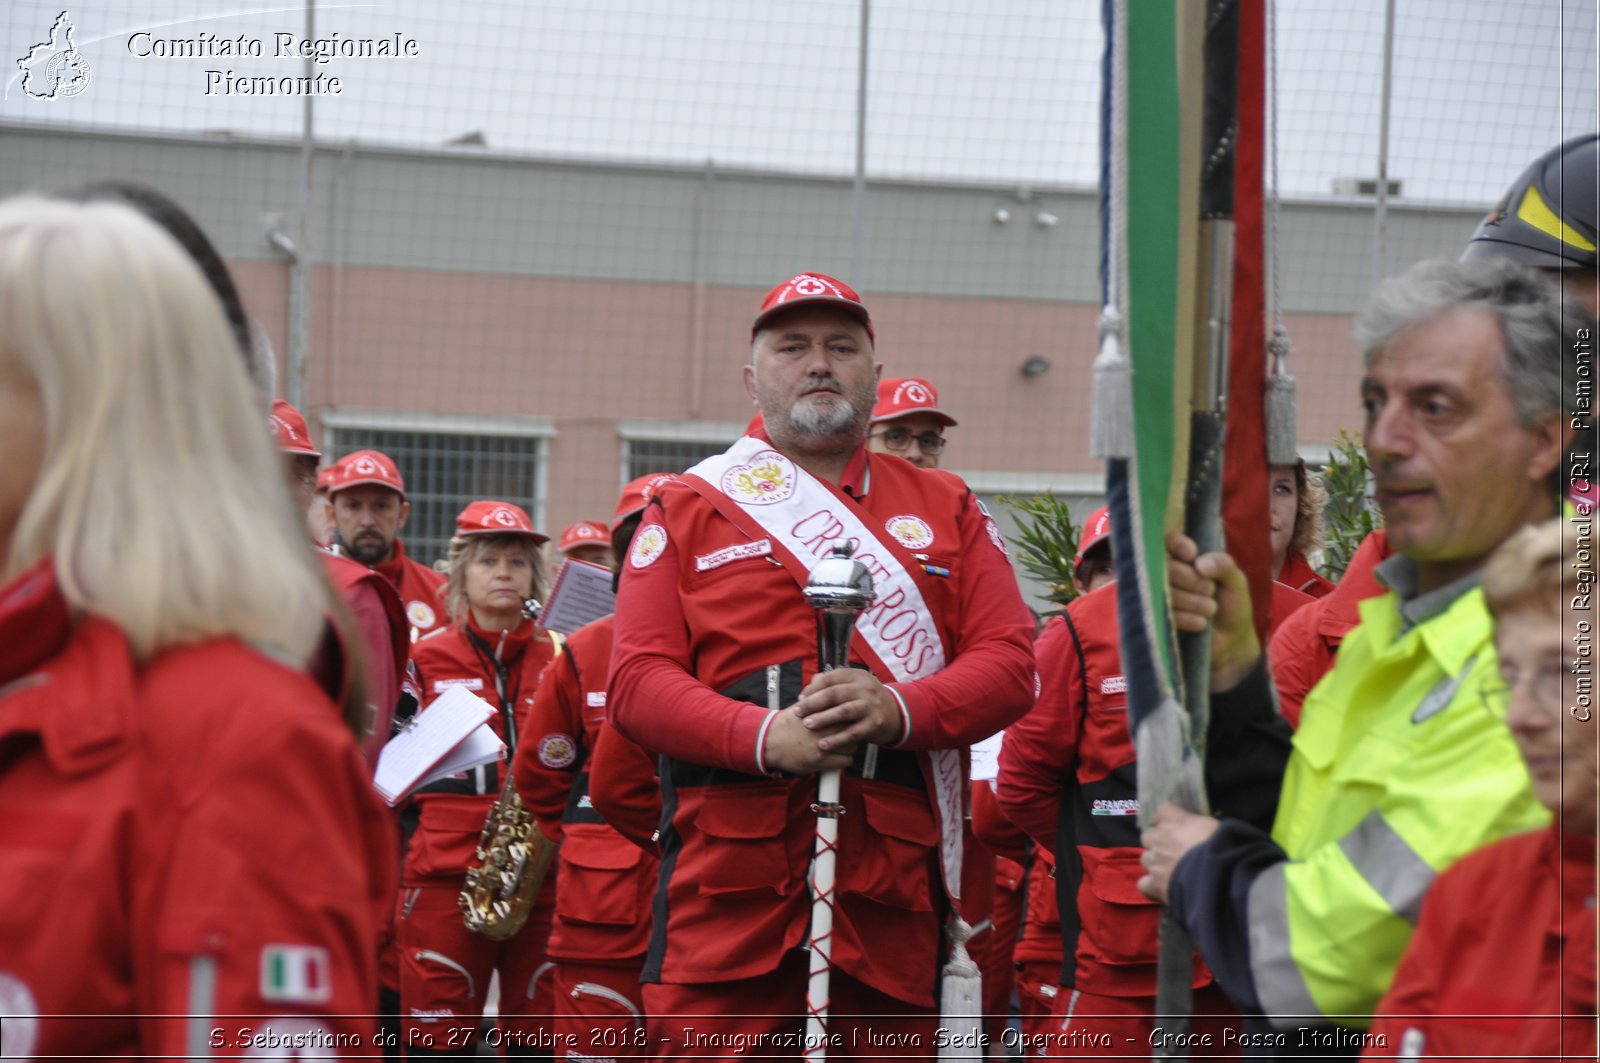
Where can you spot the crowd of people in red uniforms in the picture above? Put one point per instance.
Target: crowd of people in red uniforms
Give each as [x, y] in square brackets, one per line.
[669, 750]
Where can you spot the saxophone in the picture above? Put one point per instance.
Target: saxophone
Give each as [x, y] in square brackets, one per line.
[512, 857]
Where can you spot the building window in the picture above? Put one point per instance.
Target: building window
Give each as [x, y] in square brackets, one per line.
[671, 446]
[444, 470]
[667, 455]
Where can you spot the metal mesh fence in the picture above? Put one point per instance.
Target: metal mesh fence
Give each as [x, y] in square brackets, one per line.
[558, 217]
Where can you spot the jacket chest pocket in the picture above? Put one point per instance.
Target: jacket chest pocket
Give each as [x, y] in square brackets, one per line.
[600, 880]
[744, 846]
[887, 838]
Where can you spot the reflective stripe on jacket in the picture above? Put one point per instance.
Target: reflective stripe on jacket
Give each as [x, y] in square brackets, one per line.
[1399, 768]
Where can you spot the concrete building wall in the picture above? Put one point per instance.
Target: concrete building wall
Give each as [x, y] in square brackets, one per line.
[462, 284]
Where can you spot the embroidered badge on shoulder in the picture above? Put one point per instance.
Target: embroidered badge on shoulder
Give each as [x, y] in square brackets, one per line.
[420, 614]
[910, 531]
[557, 751]
[995, 537]
[648, 544]
[769, 477]
[296, 974]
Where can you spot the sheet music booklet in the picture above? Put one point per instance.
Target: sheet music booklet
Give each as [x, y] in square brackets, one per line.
[451, 736]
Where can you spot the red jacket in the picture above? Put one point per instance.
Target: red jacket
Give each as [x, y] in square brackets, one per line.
[699, 625]
[1298, 574]
[1040, 936]
[386, 638]
[421, 591]
[1303, 647]
[1502, 964]
[451, 812]
[193, 834]
[603, 898]
[1068, 771]
[624, 788]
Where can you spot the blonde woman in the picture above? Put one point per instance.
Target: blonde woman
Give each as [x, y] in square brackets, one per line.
[492, 649]
[189, 828]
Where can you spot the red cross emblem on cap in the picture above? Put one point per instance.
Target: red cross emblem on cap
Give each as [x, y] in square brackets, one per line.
[366, 466]
[809, 286]
[504, 517]
[915, 392]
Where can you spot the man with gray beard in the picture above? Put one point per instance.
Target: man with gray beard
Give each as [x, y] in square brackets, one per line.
[715, 668]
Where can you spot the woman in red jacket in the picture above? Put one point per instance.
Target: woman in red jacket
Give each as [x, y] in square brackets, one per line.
[189, 829]
[495, 651]
[1294, 507]
[1502, 965]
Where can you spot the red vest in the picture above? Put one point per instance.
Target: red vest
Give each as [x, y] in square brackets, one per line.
[451, 811]
[603, 899]
[733, 873]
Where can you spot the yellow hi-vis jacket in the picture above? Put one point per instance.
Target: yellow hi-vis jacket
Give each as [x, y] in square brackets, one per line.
[1399, 768]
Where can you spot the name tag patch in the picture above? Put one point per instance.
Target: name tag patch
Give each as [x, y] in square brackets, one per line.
[1114, 684]
[441, 685]
[729, 554]
[597, 699]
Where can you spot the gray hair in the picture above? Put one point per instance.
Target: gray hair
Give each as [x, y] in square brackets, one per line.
[1538, 322]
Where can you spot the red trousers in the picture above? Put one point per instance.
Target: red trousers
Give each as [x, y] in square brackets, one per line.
[765, 1017]
[1036, 995]
[445, 969]
[600, 1011]
[1092, 1026]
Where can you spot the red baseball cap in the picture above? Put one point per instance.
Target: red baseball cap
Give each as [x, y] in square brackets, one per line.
[1096, 531]
[904, 395]
[583, 533]
[289, 430]
[488, 517]
[366, 467]
[813, 289]
[638, 494]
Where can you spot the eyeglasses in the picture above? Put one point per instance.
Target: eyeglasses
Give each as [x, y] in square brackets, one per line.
[1547, 686]
[900, 439]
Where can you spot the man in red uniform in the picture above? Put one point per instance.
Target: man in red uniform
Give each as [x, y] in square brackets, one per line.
[715, 668]
[1068, 778]
[368, 499]
[587, 540]
[373, 602]
[602, 917]
[907, 421]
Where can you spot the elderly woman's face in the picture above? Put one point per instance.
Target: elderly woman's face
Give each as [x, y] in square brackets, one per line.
[1546, 713]
[500, 576]
[22, 443]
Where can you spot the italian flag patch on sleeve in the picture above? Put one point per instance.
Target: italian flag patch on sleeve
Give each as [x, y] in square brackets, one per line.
[297, 974]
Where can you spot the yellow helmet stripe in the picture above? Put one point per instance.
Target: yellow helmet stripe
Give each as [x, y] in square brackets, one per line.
[1538, 214]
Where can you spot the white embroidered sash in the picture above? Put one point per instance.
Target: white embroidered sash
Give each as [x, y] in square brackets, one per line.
[763, 492]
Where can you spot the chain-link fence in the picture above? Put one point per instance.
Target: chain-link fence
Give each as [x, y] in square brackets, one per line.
[523, 241]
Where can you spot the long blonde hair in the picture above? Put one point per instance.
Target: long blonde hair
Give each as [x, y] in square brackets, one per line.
[159, 495]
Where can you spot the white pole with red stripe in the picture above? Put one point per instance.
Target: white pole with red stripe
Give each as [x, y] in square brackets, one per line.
[839, 589]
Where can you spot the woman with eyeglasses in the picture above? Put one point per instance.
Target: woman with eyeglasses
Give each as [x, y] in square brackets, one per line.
[1502, 964]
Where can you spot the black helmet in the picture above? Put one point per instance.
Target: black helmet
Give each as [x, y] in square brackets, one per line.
[1547, 218]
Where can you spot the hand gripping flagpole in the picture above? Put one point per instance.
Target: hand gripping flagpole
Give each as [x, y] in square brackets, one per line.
[839, 589]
